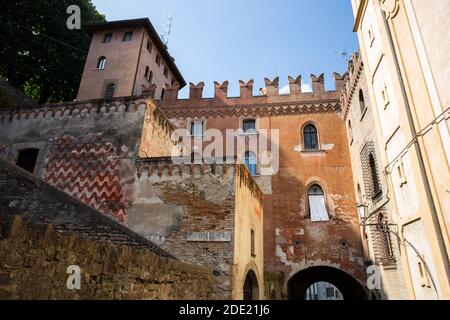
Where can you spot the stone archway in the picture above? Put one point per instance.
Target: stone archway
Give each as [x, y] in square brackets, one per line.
[251, 288]
[350, 288]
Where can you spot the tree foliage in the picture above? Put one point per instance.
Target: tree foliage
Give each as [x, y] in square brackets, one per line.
[39, 54]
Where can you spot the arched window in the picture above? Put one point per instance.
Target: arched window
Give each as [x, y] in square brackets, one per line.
[101, 63]
[310, 138]
[147, 72]
[374, 175]
[250, 162]
[150, 76]
[27, 159]
[316, 202]
[109, 92]
[362, 104]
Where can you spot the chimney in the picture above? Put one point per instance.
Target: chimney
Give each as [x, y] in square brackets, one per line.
[246, 88]
[318, 83]
[295, 85]
[221, 90]
[196, 91]
[272, 87]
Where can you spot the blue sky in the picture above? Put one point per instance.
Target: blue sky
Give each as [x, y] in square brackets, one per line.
[248, 39]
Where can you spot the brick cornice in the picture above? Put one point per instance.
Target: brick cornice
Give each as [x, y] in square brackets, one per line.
[266, 110]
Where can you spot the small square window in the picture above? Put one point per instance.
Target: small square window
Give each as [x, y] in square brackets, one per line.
[128, 36]
[107, 38]
[27, 159]
[249, 126]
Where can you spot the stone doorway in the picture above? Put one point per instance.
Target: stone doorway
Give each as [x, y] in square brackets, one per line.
[251, 288]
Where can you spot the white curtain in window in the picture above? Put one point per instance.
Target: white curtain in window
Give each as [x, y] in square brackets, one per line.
[317, 208]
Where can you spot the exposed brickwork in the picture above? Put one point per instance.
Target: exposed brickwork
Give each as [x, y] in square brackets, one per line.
[190, 199]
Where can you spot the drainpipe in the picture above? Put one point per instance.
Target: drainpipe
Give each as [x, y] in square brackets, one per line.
[426, 182]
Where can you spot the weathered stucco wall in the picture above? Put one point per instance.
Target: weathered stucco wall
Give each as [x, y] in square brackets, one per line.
[248, 218]
[190, 210]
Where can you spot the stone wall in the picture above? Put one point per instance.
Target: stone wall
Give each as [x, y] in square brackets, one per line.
[35, 260]
[60, 231]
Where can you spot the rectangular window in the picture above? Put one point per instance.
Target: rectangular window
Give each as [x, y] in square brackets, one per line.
[197, 129]
[249, 126]
[27, 159]
[252, 243]
[149, 46]
[158, 60]
[107, 38]
[128, 36]
[317, 208]
[166, 71]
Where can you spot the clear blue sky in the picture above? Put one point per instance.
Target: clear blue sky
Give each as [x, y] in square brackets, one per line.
[248, 39]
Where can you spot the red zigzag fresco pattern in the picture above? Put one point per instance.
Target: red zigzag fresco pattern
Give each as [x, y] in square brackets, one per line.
[88, 171]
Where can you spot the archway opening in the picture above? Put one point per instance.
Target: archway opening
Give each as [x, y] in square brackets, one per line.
[251, 288]
[323, 290]
[348, 287]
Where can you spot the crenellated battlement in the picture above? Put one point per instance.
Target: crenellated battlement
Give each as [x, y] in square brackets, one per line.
[166, 168]
[270, 93]
[66, 109]
[350, 82]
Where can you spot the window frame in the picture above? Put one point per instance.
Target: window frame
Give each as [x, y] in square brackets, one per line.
[125, 39]
[114, 85]
[101, 63]
[192, 130]
[36, 158]
[304, 136]
[109, 36]
[323, 194]
[251, 167]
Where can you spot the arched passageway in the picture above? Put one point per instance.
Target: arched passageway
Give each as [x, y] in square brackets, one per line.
[251, 288]
[350, 288]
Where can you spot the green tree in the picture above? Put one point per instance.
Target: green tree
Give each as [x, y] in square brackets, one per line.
[38, 53]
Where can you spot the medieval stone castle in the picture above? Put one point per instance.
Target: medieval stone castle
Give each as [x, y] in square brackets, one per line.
[329, 186]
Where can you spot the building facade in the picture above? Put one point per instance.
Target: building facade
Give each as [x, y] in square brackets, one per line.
[407, 74]
[382, 247]
[311, 229]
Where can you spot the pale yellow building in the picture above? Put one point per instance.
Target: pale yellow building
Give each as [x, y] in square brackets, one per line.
[405, 48]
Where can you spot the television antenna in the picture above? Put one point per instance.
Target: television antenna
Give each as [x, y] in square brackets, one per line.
[344, 54]
[167, 30]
